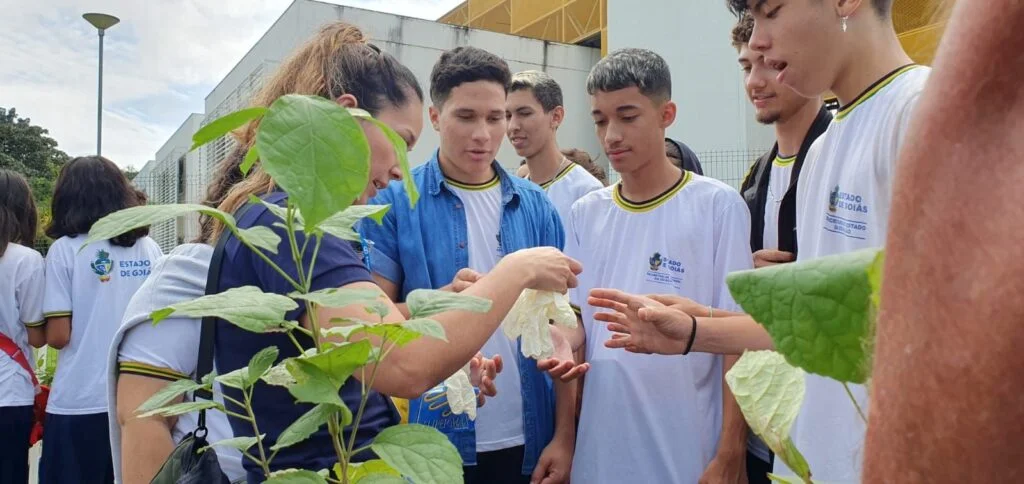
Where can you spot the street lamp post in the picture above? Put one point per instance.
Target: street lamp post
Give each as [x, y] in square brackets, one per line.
[102, 22]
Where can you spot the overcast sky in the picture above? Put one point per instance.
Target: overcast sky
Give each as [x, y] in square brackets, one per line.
[160, 62]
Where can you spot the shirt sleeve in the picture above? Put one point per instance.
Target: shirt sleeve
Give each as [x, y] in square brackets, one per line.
[30, 290]
[732, 247]
[167, 351]
[337, 263]
[59, 273]
[384, 257]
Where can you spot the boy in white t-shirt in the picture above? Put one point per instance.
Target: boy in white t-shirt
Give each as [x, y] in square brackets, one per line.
[534, 111]
[660, 230]
[86, 294]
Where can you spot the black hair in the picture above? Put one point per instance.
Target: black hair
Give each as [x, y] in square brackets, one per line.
[466, 64]
[882, 7]
[17, 211]
[88, 189]
[625, 68]
[545, 89]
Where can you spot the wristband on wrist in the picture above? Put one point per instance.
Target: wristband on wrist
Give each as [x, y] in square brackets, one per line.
[693, 335]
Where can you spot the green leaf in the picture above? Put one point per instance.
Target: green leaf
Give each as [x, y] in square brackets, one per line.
[426, 327]
[342, 224]
[428, 302]
[795, 460]
[770, 392]
[251, 157]
[169, 393]
[278, 376]
[312, 385]
[293, 476]
[260, 363]
[224, 125]
[340, 362]
[246, 307]
[261, 237]
[401, 151]
[279, 211]
[379, 478]
[419, 452]
[818, 312]
[236, 379]
[402, 334]
[784, 480]
[345, 327]
[378, 308]
[317, 152]
[181, 409]
[305, 426]
[339, 298]
[375, 467]
[240, 443]
[130, 219]
[875, 278]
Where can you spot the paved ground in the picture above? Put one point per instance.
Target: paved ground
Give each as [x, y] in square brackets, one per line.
[33, 459]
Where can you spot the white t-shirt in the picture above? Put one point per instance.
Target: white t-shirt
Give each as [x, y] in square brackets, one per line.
[499, 424]
[654, 418]
[21, 305]
[170, 350]
[93, 287]
[843, 200]
[778, 184]
[569, 185]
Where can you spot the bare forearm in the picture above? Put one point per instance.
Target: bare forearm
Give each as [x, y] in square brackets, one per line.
[565, 409]
[947, 358]
[730, 335]
[145, 446]
[733, 442]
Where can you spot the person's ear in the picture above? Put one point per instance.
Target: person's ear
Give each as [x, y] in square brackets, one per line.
[435, 116]
[668, 114]
[557, 116]
[348, 101]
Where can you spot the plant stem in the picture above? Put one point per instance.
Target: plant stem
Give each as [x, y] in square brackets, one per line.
[335, 431]
[236, 415]
[296, 255]
[856, 405]
[359, 450]
[312, 260]
[232, 400]
[250, 456]
[362, 401]
[264, 463]
[268, 261]
[295, 342]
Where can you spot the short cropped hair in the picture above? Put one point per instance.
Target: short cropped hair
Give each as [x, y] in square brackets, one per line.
[882, 7]
[742, 31]
[544, 88]
[466, 64]
[630, 67]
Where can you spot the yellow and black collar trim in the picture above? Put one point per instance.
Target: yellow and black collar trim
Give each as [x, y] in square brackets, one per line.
[559, 176]
[475, 187]
[654, 202]
[136, 368]
[787, 161]
[872, 90]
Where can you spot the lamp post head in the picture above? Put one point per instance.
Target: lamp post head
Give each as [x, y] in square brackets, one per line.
[101, 21]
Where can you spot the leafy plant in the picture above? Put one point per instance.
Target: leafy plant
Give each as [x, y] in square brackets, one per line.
[317, 152]
[821, 317]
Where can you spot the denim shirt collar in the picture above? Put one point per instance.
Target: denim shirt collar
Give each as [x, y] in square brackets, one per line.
[434, 178]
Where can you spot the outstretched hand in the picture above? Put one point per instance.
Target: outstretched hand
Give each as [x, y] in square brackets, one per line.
[562, 364]
[641, 324]
[482, 372]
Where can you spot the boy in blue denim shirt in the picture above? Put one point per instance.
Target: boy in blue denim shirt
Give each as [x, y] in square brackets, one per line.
[470, 214]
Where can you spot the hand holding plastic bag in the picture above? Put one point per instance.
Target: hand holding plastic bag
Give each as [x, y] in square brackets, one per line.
[529, 318]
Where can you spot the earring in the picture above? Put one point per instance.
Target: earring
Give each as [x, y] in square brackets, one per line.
[843, 21]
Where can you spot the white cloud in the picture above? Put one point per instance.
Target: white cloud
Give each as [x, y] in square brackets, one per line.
[160, 62]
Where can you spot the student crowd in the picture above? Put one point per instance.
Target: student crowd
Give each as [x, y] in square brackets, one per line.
[652, 406]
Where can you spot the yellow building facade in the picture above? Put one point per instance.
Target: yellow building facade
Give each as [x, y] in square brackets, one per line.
[920, 23]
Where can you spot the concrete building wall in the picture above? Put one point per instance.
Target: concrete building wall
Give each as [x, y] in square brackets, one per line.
[715, 119]
[174, 176]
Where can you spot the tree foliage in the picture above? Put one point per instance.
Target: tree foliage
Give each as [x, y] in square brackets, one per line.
[28, 149]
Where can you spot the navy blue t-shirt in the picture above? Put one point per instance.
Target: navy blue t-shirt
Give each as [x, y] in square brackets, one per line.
[337, 265]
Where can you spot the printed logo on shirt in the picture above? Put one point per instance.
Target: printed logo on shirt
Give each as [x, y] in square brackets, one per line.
[134, 268]
[102, 265]
[665, 270]
[844, 210]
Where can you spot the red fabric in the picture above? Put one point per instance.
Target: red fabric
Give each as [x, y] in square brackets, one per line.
[8, 346]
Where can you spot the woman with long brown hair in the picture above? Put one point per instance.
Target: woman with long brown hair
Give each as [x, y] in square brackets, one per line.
[339, 64]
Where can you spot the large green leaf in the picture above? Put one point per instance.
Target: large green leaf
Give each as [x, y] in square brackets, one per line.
[305, 426]
[260, 363]
[251, 157]
[424, 303]
[419, 452]
[130, 219]
[362, 470]
[182, 408]
[342, 224]
[818, 312]
[169, 393]
[236, 379]
[278, 376]
[380, 478]
[224, 125]
[401, 334]
[246, 307]
[401, 151]
[339, 298]
[317, 152]
[240, 443]
[261, 237]
[341, 361]
[293, 476]
[312, 385]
